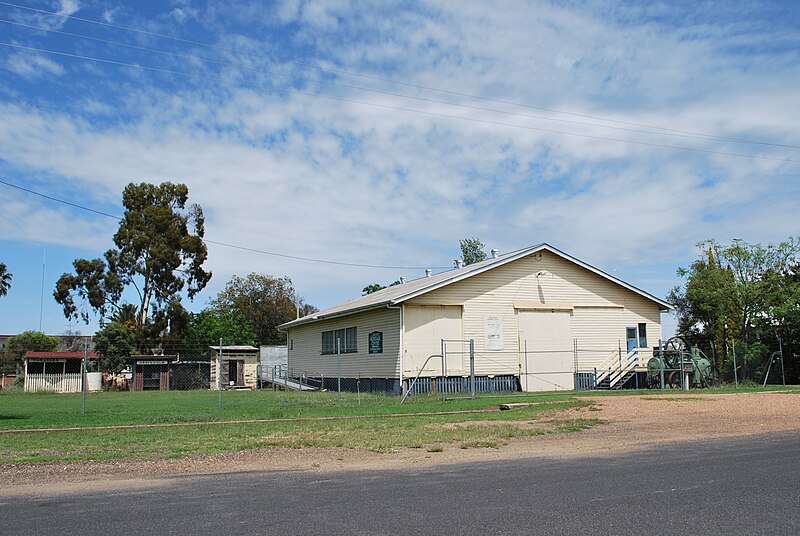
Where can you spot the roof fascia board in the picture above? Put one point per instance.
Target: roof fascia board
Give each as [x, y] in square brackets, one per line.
[308, 319]
[464, 275]
[524, 253]
[601, 273]
[469, 273]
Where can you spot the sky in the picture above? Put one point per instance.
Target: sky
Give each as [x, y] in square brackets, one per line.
[382, 133]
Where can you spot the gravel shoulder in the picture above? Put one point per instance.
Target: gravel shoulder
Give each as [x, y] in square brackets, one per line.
[630, 423]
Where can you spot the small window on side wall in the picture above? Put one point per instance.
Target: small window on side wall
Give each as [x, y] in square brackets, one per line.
[642, 335]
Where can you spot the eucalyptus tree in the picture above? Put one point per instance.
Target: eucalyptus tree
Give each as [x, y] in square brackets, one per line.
[159, 254]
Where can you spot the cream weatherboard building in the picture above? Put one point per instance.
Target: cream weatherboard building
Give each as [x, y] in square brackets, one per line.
[240, 367]
[539, 318]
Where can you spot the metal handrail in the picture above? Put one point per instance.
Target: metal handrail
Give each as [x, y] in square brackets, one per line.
[414, 381]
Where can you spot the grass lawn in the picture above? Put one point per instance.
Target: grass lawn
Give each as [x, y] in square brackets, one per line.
[363, 421]
[373, 422]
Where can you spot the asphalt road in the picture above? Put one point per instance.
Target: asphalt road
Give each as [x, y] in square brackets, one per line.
[739, 486]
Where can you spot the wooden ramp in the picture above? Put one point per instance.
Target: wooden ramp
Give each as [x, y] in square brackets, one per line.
[289, 384]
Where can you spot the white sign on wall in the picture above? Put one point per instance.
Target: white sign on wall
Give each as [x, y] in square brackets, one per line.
[494, 333]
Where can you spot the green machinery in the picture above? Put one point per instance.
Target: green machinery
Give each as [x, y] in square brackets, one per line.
[679, 366]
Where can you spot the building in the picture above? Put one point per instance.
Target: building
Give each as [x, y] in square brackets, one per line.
[151, 372]
[240, 366]
[55, 371]
[539, 320]
[274, 360]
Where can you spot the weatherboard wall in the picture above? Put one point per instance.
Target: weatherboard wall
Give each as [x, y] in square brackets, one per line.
[305, 346]
[600, 311]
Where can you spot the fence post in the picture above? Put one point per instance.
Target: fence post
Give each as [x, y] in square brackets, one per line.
[575, 363]
[472, 368]
[83, 374]
[219, 376]
[339, 367]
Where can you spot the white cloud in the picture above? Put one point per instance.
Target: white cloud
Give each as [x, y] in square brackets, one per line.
[338, 180]
[30, 65]
[61, 9]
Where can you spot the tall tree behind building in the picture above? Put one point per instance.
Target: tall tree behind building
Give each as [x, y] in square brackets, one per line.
[472, 250]
[159, 253]
[265, 302]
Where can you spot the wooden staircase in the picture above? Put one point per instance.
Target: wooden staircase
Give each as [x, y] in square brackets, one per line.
[615, 372]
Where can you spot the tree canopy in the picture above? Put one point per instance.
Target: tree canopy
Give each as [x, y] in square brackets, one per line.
[210, 325]
[114, 344]
[28, 341]
[743, 294]
[5, 279]
[375, 287]
[159, 254]
[472, 250]
[265, 302]
[369, 289]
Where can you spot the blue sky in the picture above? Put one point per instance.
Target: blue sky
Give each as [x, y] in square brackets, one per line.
[381, 133]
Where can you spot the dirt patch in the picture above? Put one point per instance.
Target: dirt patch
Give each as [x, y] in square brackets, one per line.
[630, 422]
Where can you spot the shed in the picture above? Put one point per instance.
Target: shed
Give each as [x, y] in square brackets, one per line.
[273, 360]
[540, 319]
[239, 366]
[151, 372]
[55, 371]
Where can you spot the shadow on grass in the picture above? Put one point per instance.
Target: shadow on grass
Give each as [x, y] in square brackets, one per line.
[13, 417]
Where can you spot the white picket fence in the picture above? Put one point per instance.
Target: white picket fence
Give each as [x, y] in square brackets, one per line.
[60, 383]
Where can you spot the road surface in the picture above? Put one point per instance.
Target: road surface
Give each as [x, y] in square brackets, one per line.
[723, 487]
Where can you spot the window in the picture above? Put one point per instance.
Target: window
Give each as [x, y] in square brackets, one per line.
[328, 343]
[54, 368]
[642, 335]
[345, 339]
[351, 341]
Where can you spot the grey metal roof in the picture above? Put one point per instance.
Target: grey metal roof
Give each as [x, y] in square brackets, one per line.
[399, 293]
[234, 348]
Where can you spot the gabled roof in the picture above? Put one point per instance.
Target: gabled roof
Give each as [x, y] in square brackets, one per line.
[240, 348]
[59, 355]
[397, 294]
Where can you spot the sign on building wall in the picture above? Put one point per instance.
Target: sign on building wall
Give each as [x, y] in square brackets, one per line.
[494, 333]
[376, 342]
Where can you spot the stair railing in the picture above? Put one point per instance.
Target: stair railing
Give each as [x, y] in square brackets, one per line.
[607, 367]
[628, 363]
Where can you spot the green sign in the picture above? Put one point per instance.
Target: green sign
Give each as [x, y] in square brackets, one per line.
[376, 342]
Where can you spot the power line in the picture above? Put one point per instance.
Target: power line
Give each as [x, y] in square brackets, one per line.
[400, 108]
[390, 93]
[389, 80]
[233, 246]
